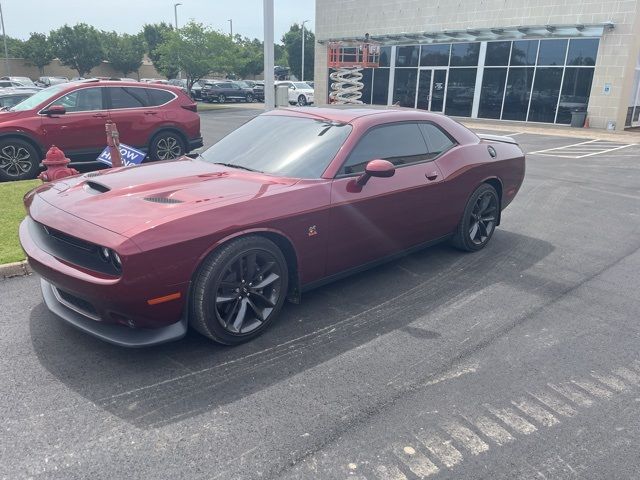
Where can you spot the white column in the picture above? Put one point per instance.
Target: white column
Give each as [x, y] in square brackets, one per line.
[269, 92]
[479, 75]
[392, 75]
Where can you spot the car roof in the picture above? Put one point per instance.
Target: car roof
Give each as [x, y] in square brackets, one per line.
[348, 113]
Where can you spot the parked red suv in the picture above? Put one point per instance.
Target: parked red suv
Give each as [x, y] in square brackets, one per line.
[158, 119]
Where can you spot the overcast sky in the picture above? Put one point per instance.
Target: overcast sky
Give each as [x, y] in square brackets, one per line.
[21, 17]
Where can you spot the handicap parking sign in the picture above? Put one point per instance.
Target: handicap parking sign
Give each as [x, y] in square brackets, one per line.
[130, 156]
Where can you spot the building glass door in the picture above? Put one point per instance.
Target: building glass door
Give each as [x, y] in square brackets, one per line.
[432, 84]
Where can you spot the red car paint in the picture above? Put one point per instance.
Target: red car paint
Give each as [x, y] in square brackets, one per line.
[328, 226]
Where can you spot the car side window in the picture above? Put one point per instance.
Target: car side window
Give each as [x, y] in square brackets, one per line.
[437, 140]
[158, 97]
[122, 97]
[82, 100]
[400, 143]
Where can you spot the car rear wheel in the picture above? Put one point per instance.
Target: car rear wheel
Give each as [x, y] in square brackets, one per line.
[222, 98]
[166, 146]
[239, 290]
[18, 160]
[479, 220]
[302, 100]
[249, 98]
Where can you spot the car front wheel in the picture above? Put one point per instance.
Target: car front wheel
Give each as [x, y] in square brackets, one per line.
[479, 219]
[249, 98]
[302, 100]
[239, 290]
[222, 98]
[166, 146]
[18, 160]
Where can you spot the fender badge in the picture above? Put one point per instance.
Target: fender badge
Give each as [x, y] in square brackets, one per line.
[313, 230]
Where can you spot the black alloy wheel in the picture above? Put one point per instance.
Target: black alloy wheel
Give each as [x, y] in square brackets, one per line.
[222, 98]
[166, 146]
[479, 219]
[18, 160]
[239, 290]
[302, 100]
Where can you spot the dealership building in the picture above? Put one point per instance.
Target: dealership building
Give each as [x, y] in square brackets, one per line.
[515, 60]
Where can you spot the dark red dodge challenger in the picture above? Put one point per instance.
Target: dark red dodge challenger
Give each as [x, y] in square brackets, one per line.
[289, 201]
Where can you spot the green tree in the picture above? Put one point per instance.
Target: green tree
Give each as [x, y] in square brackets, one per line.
[196, 51]
[124, 52]
[38, 51]
[155, 34]
[14, 47]
[249, 57]
[292, 41]
[78, 47]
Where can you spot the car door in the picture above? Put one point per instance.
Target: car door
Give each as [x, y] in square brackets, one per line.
[130, 108]
[81, 129]
[386, 215]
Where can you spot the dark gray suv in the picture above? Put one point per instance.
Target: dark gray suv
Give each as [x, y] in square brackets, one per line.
[225, 91]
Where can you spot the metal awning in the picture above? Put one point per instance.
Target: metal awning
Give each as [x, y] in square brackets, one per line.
[484, 34]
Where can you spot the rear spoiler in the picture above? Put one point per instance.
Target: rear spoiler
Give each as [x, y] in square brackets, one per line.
[496, 138]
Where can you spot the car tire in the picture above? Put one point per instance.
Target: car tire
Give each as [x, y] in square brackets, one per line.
[226, 304]
[166, 146]
[222, 98]
[19, 160]
[479, 220]
[249, 98]
[302, 100]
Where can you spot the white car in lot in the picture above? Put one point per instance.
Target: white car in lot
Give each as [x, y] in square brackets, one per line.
[299, 93]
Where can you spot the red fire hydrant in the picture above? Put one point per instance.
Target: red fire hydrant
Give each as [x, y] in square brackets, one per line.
[113, 140]
[56, 164]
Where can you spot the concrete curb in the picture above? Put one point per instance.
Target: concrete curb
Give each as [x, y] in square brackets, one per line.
[16, 269]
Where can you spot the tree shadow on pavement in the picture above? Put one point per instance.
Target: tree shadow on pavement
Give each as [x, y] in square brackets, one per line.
[164, 384]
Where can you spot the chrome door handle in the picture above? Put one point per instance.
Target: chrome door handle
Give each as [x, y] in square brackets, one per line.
[99, 115]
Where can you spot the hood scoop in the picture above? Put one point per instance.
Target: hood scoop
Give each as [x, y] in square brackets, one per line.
[165, 200]
[95, 187]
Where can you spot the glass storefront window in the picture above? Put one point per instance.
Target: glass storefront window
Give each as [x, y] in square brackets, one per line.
[518, 91]
[576, 88]
[524, 52]
[385, 57]
[404, 87]
[407, 56]
[367, 80]
[492, 92]
[497, 54]
[544, 96]
[465, 54]
[380, 89]
[582, 51]
[460, 88]
[435, 55]
[552, 52]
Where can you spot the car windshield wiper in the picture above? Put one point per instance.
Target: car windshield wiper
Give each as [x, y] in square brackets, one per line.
[232, 165]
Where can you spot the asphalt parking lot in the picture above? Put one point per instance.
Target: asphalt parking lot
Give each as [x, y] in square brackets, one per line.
[519, 361]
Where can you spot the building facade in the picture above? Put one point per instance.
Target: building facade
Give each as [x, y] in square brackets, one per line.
[517, 60]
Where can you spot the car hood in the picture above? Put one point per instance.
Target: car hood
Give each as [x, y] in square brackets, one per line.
[124, 199]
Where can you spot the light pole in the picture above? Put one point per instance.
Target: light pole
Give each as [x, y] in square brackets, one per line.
[302, 74]
[4, 38]
[175, 14]
[231, 26]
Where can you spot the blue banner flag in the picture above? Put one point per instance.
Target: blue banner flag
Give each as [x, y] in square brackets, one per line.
[130, 156]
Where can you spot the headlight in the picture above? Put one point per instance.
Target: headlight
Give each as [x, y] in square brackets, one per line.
[110, 256]
[105, 254]
[116, 260]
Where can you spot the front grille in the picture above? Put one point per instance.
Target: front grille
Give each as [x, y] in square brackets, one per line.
[77, 304]
[68, 239]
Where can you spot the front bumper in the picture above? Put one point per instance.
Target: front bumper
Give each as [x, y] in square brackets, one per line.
[113, 333]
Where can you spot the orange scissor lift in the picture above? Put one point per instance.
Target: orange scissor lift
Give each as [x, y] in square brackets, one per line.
[347, 63]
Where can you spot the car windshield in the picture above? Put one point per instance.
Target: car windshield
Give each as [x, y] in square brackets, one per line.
[281, 145]
[302, 85]
[42, 96]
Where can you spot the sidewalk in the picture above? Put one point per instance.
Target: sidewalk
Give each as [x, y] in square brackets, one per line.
[553, 130]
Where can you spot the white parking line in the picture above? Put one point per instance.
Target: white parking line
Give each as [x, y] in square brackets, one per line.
[510, 418]
[440, 448]
[466, 438]
[582, 149]
[536, 412]
[415, 461]
[389, 473]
